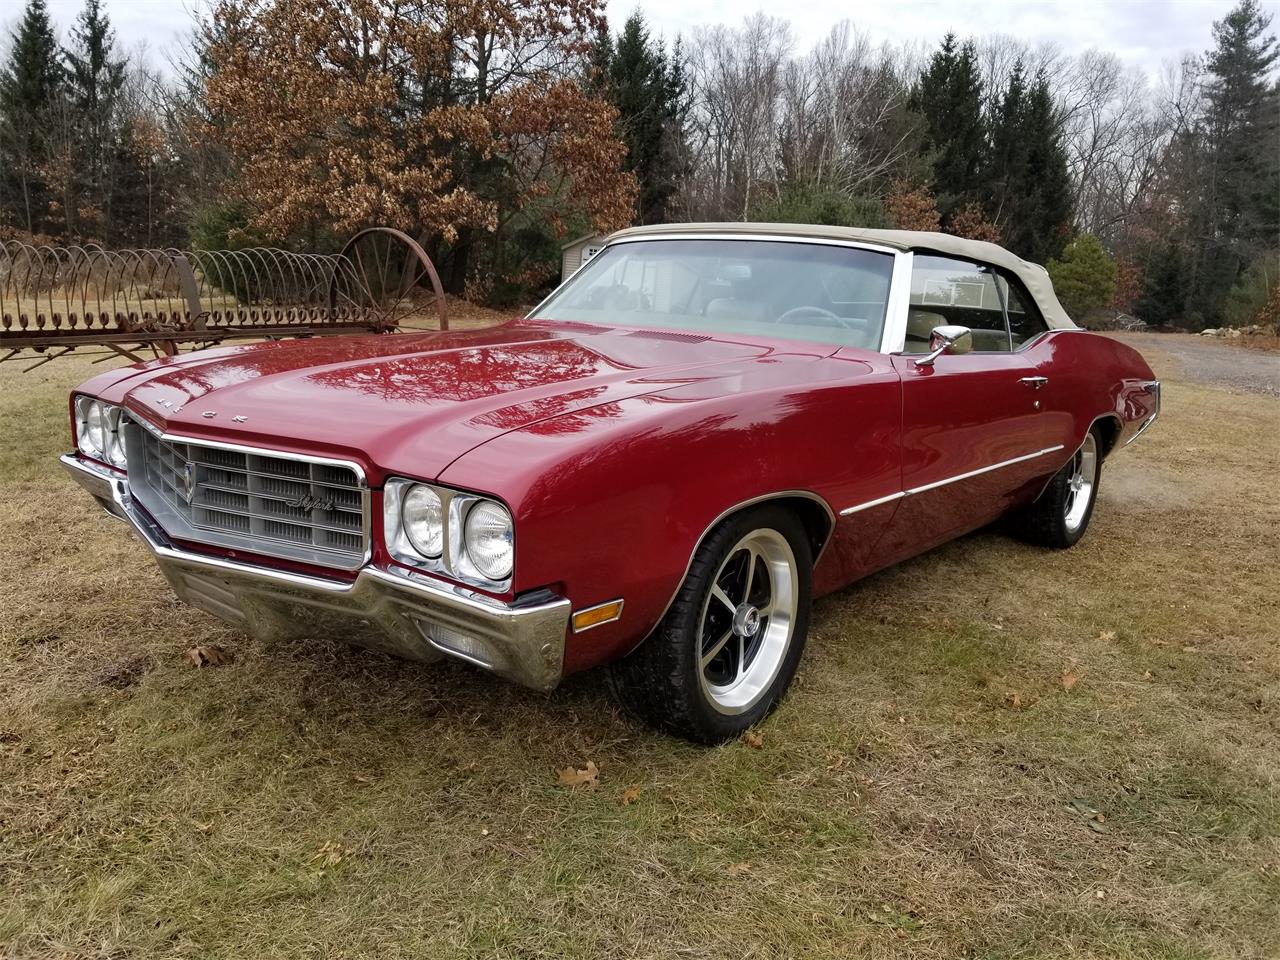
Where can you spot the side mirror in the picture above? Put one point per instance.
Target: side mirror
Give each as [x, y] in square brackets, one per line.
[946, 339]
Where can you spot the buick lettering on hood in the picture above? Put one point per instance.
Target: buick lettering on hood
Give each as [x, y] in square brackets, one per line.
[658, 469]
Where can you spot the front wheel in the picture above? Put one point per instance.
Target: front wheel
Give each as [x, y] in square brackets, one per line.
[729, 646]
[1061, 514]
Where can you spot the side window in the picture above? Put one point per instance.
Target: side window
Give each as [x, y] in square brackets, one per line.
[1025, 319]
[945, 290]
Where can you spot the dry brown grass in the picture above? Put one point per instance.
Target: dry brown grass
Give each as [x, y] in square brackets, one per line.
[1269, 344]
[311, 800]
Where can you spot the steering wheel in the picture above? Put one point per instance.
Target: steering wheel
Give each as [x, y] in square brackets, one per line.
[822, 314]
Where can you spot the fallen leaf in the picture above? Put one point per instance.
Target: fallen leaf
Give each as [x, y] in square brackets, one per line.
[204, 827]
[1188, 649]
[630, 795]
[588, 776]
[1069, 680]
[1107, 635]
[1147, 675]
[753, 740]
[1014, 701]
[1097, 827]
[742, 867]
[331, 853]
[208, 655]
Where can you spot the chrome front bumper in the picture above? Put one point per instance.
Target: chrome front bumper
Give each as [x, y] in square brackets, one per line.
[388, 609]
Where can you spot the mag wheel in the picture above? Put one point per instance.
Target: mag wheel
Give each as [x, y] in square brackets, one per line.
[730, 644]
[1060, 516]
[748, 616]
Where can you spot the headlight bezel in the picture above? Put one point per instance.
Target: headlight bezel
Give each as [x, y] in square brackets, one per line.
[454, 560]
[92, 414]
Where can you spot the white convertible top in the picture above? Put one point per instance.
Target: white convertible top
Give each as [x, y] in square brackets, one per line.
[1034, 276]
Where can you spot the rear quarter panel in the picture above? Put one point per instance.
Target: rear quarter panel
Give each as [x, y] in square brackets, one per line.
[1091, 376]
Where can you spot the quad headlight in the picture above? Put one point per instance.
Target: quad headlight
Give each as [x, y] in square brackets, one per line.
[98, 433]
[490, 539]
[423, 518]
[461, 535]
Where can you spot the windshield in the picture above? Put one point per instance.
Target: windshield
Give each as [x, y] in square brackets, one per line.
[801, 291]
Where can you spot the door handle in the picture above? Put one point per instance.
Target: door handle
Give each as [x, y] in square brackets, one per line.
[1035, 383]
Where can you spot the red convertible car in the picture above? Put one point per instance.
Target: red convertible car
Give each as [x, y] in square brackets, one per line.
[658, 469]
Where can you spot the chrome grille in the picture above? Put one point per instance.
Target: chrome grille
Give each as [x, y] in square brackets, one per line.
[270, 503]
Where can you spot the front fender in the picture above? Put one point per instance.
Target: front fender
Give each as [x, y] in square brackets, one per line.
[611, 502]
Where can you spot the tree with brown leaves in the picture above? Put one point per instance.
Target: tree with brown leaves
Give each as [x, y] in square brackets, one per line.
[460, 123]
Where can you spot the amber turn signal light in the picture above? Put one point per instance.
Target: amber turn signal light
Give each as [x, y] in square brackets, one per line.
[595, 616]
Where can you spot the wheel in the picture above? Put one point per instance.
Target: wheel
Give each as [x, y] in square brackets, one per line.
[729, 646]
[1060, 516]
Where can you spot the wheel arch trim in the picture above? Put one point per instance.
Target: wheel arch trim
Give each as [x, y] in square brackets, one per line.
[808, 495]
[1110, 415]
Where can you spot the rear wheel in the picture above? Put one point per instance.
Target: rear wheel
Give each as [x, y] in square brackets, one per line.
[730, 644]
[1061, 514]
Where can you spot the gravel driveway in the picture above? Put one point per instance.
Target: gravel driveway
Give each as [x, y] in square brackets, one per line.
[1202, 360]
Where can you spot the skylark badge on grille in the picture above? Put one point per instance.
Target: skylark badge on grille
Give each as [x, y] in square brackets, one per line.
[310, 502]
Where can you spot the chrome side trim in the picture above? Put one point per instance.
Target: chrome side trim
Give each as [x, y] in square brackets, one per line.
[402, 612]
[981, 470]
[859, 507]
[923, 488]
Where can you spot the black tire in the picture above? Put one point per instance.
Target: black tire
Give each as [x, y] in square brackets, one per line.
[663, 681]
[1055, 519]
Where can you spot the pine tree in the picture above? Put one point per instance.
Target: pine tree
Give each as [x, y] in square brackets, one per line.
[30, 86]
[1085, 278]
[1008, 144]
[1038, 218]
[94, 79]
[1237, 211]
[649, 91]
[949, 98]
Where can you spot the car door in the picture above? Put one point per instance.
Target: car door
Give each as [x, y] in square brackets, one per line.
[974, 435]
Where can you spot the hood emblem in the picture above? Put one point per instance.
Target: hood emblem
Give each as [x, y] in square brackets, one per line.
[239, 418]
[209, 414]
[187, 479]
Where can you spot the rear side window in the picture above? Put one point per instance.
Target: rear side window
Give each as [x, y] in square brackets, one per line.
[1025, 319]
[945, 290]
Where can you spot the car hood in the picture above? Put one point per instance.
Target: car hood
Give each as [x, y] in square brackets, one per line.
[414, 403]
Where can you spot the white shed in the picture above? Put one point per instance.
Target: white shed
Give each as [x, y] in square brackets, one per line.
[577, 252]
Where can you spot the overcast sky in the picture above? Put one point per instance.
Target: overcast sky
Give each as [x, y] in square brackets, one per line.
[1144, 33]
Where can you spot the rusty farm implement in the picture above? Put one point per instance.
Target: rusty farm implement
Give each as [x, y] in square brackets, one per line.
[140, 303]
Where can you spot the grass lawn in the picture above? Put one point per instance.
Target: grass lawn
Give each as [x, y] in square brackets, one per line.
[991, 751]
